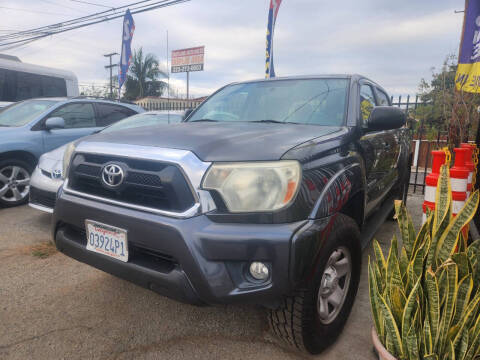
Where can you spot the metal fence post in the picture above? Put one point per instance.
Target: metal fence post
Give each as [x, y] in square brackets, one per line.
[426, 164]
[419, 137]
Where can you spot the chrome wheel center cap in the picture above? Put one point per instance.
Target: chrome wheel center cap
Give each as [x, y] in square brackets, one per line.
[329, 281]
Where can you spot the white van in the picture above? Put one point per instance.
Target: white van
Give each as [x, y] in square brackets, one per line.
[20, 81]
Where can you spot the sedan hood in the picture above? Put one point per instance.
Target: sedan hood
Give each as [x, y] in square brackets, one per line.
[52, 160]
[56, 154]
[238, 141]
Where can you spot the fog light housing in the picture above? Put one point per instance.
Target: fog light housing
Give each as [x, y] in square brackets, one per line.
[259, 270]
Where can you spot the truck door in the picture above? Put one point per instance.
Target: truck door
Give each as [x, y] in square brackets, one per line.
[392, 144]
[377, 149]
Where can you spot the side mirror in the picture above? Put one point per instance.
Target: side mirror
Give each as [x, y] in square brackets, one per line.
[187, 113]
[54, 123]
[386, 118]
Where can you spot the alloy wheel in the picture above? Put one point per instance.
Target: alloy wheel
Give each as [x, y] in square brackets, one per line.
[334, 285]
[14, 183]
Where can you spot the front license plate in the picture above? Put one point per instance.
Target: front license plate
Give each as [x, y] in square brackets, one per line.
[107, 240]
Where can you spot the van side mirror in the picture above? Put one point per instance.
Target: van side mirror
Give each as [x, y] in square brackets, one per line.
[54, 123]
[386, 118]
[187, 113]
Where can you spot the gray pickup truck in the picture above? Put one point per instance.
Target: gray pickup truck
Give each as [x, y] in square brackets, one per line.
[265, 194]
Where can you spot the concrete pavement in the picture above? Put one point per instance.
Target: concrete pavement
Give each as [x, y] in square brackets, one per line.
[57, 308]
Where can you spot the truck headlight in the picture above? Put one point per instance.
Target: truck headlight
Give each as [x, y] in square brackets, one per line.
[67, 156]
[255, 186]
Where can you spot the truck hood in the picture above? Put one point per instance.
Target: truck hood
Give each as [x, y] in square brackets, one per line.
[236, 141]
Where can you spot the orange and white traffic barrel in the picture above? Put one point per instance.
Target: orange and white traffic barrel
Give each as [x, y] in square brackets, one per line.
[470, 166]
[431, 181]
[459, 180]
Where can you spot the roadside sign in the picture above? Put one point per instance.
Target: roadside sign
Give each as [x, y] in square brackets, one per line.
[186, 60]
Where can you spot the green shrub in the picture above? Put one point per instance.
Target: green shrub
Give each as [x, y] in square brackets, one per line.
[425, 298]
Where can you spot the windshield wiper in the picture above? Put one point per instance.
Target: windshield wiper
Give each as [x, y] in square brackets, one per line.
[269, 121]
[274, 121]
[210, 120]
[4, 125]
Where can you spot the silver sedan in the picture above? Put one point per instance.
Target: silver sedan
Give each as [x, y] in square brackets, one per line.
[47, 177]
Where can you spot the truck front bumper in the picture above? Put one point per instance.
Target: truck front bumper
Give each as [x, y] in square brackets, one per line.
[192, 260]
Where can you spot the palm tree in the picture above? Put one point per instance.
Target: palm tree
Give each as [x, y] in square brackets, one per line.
[142, 78]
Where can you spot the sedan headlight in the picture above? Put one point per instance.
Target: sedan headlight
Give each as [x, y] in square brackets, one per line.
[67, 156]
[255, 186]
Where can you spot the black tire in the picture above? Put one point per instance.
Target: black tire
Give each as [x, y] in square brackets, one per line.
[297, 322]
[8, 199]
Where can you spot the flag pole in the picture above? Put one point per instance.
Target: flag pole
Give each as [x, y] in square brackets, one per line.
[168, 79]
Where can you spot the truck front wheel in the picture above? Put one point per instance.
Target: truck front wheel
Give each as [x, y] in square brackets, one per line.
[313, 317]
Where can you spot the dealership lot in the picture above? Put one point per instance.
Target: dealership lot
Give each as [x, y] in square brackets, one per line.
[54, 307]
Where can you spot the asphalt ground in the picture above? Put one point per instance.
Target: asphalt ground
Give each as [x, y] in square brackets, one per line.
[53, 307]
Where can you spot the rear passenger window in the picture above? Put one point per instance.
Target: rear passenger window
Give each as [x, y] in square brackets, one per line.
[367, 101]
[78, 115]
[109, 114]
[382, 98]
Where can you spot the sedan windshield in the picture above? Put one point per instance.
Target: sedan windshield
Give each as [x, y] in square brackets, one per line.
[303, 101]
[22, 113]
[144, 119]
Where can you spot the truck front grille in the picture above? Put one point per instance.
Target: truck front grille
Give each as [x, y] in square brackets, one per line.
[146, 183]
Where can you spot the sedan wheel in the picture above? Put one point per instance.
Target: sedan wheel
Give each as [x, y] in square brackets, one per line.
[14, 184]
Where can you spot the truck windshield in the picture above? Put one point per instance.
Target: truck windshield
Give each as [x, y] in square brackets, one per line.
[22, 113]
[302, 101]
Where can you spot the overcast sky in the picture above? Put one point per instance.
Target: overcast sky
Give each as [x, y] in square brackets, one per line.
[394, 43]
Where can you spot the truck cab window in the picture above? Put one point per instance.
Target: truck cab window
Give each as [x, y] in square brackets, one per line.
[382, 98]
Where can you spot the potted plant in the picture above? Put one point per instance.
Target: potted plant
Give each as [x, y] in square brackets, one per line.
[425, 298]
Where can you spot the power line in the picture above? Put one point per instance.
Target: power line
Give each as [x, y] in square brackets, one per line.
[62, 5]
[94, 4]
[42, 34]
[72, 21]
[32, 11]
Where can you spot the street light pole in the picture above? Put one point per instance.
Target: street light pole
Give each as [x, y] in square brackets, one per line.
[188, 83]
[110, 67]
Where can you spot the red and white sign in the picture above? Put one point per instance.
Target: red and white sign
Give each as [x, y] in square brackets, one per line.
[191, 59]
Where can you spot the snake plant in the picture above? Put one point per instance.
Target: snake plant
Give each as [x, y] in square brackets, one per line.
[425, 296]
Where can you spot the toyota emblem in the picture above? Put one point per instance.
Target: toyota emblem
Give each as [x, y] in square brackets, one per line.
[112, 175]
[56, 174]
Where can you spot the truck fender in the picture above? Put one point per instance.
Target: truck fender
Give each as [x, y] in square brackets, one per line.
[339, 189]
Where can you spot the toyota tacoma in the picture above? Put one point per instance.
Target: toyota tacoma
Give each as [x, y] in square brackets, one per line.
[266, 194]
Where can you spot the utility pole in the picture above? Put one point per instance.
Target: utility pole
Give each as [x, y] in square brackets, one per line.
[110, 67]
